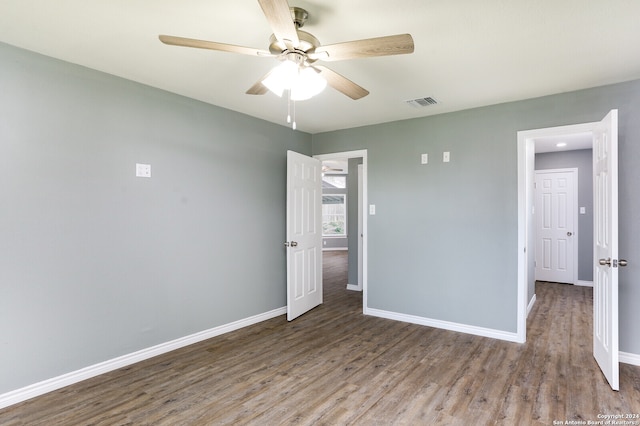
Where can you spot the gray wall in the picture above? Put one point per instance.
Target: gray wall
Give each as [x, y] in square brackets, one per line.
[334, 243]
[96, 263]
[443, 242]
[582, 160]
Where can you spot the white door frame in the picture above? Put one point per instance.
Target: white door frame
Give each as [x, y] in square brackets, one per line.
[360, 228]
[576, 218]
[357, 154]
[526, 239]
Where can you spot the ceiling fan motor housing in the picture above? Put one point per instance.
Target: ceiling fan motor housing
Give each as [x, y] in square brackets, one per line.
[308, 44]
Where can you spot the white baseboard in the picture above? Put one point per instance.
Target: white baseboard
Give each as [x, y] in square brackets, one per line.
[462, 328]
[45, 386]
[353, 287]
[584, 283]
[531, 303]
[627, 358]
[335, 249]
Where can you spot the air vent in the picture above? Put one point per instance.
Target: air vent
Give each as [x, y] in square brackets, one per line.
[422, 102]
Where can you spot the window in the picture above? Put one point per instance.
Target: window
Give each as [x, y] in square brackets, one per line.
[334, 215]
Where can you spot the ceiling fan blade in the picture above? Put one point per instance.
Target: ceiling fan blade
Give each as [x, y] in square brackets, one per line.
[342, 84]
[280, 20]
[258, 88]
[212, 45]
[380, 46]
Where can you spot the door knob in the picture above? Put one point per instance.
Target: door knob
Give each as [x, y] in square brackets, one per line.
[622, 262]
[294, 244]
[605, 262]
[569, 234]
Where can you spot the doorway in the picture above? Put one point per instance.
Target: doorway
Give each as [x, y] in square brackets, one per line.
[357, 229]
[604, 139]
[530, 143]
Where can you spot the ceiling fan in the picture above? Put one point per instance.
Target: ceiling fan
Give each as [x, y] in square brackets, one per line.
[327, 169]
[300, 50]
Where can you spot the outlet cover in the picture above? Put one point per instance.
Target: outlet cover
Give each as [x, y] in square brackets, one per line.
[143, 170]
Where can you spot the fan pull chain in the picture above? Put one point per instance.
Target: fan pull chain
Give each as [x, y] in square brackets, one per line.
[289, 121]
[294, 116]
[289, 107]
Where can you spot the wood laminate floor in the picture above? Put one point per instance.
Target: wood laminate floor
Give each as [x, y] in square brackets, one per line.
[334, 366]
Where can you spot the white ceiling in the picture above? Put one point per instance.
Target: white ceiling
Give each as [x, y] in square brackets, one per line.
[569, 142]
[468, 53]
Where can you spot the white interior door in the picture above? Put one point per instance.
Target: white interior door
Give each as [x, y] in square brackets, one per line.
[304, 234]
[555, 211]
[605, 235]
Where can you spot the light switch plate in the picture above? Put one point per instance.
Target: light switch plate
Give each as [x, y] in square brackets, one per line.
[424, 158]
[143, 170]
[446, 157]
[583, 210]
[372, 209]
